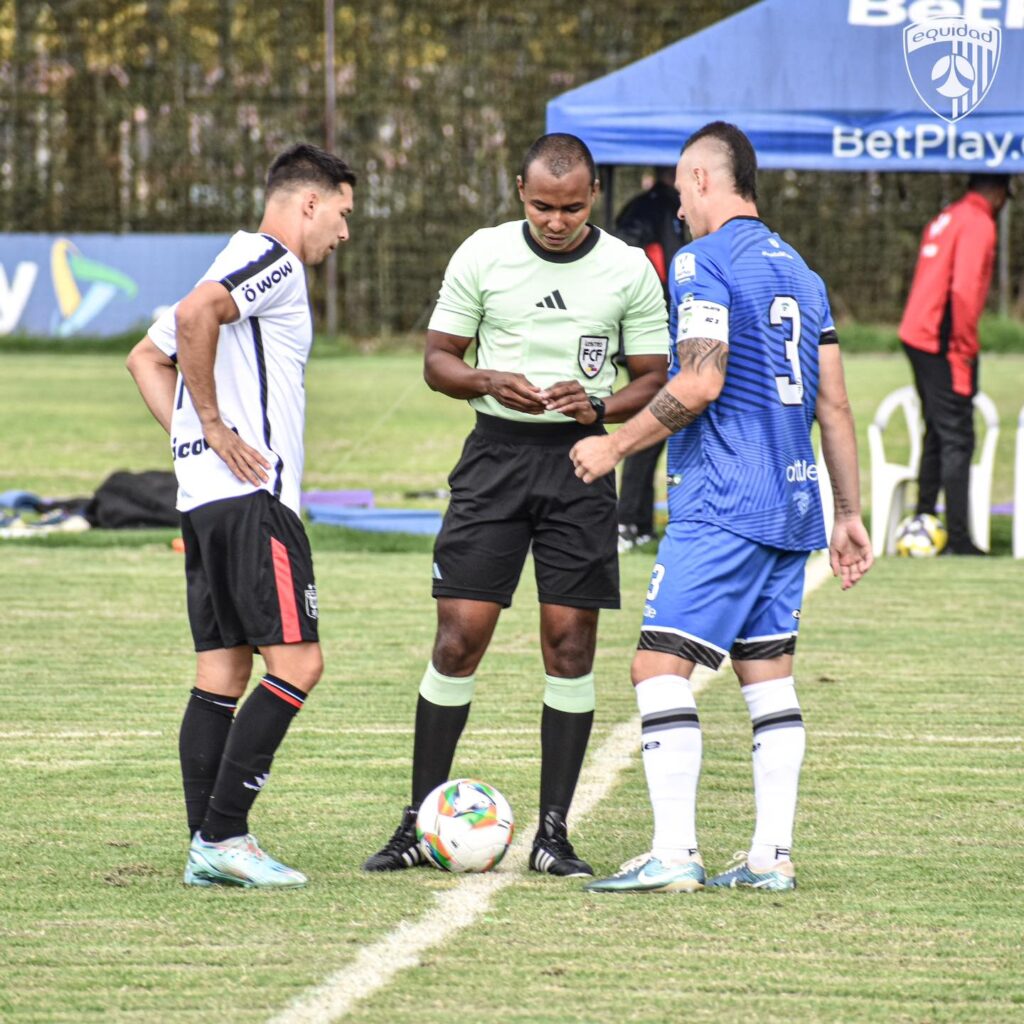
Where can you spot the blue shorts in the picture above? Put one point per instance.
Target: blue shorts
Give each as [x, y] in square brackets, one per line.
[713, 593]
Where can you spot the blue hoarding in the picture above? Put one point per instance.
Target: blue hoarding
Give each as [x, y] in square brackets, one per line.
[62, 286]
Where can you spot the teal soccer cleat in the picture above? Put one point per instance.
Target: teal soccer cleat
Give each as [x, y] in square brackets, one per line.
[781, 878]
[238, 861]
[191, 878]
[648, 874]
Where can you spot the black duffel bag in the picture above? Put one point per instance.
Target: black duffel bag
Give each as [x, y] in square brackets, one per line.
[126, 500]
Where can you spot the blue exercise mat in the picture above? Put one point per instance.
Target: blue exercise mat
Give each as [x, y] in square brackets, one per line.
[377, 520]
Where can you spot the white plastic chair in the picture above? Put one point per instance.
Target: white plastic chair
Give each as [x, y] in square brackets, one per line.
[890, 480]
[979, 506]
[1018, 490]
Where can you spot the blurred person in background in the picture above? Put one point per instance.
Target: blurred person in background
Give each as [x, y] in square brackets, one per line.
[939, 332]
[651, 221]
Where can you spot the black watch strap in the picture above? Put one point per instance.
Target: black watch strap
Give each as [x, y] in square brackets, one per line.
[597, 405]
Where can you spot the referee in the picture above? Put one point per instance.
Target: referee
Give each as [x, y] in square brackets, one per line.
[223, 373]
[549, 300]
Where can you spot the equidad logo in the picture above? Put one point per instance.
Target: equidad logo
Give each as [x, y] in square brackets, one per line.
[84, 288]
[952, 63]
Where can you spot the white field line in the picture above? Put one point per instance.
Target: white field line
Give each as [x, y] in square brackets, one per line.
[462, 905]
[91, 735]
[926, 738]
[82, 734]
[355, 730]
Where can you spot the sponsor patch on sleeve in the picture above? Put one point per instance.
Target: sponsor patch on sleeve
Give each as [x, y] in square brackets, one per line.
[685, 267]
[699, 318]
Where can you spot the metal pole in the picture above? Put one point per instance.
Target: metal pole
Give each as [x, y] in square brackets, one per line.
[329, 110]
[1004, 260]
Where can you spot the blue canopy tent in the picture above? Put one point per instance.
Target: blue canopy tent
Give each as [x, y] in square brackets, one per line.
[817, 85]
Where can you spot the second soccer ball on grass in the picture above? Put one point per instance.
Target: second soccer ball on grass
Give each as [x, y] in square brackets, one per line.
[920, 536]
[465, 826]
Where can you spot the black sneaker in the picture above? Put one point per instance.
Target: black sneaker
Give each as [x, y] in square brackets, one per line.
[402, 849]
[964, 547]
[552, 852]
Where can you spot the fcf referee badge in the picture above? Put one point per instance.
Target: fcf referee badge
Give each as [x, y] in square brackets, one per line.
[593, 352]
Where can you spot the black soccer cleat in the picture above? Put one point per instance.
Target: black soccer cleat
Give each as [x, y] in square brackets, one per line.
[552, 852]
[402, 849]
[964, 547]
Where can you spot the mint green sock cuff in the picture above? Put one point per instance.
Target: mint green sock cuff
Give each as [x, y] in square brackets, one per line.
[448, 691]
[575, 696]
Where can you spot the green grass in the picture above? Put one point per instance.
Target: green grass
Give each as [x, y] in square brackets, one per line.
[909, 842]
[997, 335]
[68, 423]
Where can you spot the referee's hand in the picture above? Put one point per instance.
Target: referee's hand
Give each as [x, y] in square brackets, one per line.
[569, 398]
[243, 460]
[594, 456]
[514, 391]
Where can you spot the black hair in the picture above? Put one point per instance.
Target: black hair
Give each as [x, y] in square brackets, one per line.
[305, 164]
[560, 153]
[989, 183]
[742, 158]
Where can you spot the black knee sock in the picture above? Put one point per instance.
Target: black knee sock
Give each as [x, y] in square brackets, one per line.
[257, 733]
[563, 742]
[204, 731]
[438, 729]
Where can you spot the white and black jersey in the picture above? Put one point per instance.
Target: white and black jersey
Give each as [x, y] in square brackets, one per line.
[259, 373]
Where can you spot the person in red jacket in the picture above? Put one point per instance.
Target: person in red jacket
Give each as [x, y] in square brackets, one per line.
[939, 332]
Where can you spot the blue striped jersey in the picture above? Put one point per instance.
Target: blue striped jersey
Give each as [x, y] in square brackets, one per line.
[747, 463]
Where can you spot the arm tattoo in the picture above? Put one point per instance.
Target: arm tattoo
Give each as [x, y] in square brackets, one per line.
[670, 412]
[844, 508]
[697, 353]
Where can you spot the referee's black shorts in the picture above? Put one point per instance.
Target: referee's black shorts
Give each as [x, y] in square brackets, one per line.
[515, 487]
[248, 574]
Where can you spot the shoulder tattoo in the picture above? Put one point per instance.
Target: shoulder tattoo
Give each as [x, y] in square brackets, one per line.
[698, 354]
[670, 412]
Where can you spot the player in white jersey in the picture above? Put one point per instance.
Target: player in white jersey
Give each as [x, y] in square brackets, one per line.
[222, 371]
[752, 374]
[548, 300]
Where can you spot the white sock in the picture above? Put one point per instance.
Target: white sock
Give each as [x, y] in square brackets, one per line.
[671, 752]
[779, 742]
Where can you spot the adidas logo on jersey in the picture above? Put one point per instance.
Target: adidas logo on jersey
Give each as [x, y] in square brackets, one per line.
[553, 301]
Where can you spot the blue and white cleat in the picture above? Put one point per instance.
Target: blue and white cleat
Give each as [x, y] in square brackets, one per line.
[648, 874]
[238, 861]
[780, 878]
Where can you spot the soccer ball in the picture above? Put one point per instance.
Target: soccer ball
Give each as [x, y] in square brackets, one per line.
[921, 536]
[465, 825]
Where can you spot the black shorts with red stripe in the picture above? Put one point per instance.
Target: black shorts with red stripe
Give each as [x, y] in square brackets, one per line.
[249, 574]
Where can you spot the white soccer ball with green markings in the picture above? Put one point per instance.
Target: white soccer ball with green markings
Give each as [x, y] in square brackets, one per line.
[465, 825]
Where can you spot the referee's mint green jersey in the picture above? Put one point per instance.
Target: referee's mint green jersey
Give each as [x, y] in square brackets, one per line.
[551, 316]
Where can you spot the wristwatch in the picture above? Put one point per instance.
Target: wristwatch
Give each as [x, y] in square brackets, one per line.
[598, 406]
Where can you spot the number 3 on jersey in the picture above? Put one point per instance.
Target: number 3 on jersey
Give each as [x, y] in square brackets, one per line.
[791, 389]
[657, 575]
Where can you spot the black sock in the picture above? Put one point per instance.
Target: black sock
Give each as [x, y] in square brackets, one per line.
[257, 733]
[438, 728]
[204, 731]
[563, 742]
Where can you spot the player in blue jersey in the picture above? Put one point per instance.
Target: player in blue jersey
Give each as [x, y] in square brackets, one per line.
[756, 361]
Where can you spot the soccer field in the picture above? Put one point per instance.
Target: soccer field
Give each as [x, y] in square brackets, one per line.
[909, 837]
